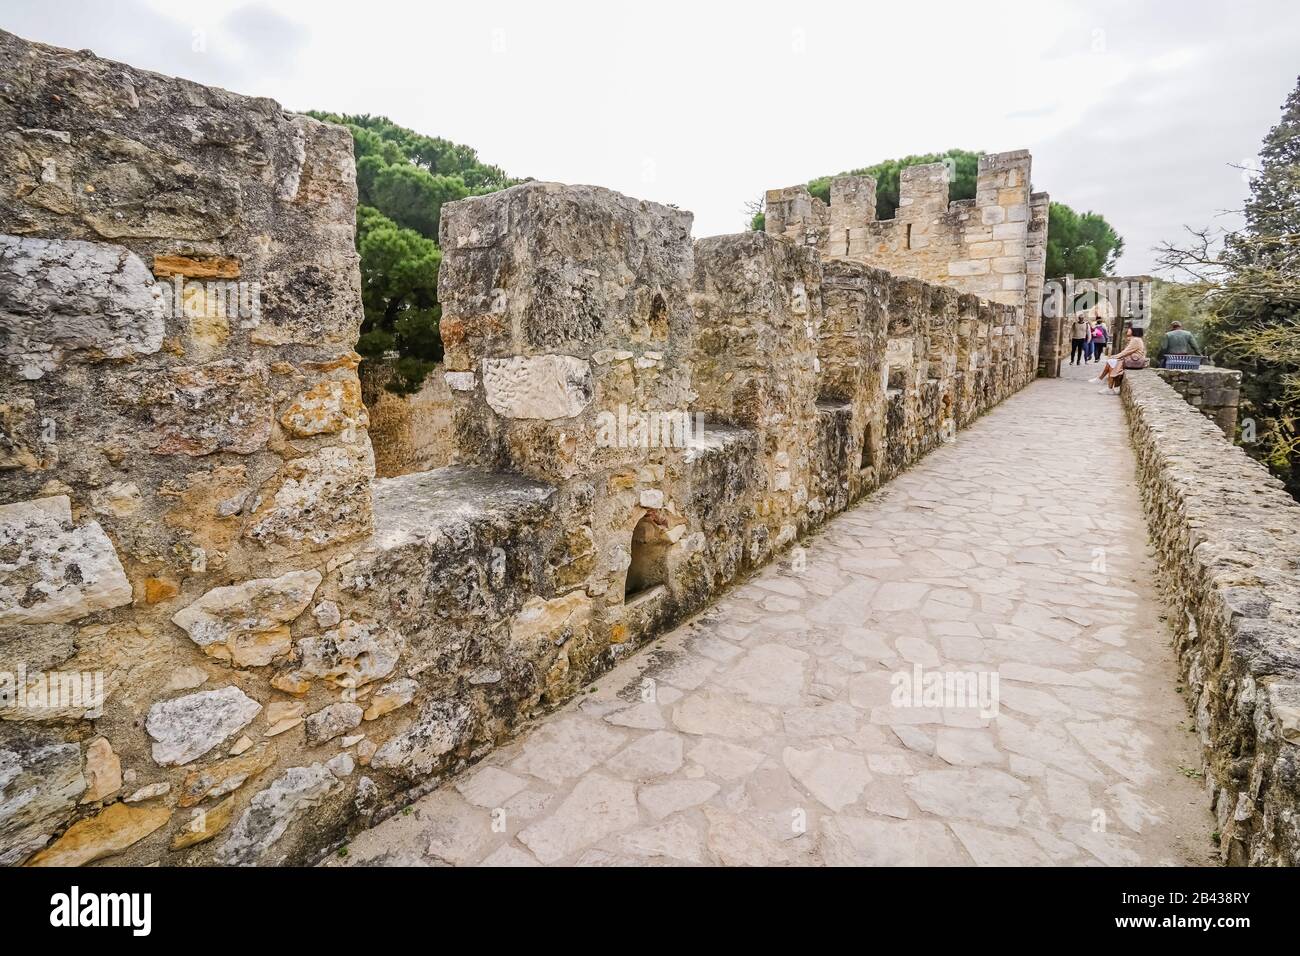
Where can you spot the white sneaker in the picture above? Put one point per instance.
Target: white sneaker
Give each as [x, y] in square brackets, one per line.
[1104, 391]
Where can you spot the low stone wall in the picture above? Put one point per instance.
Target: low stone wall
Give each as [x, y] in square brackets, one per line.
[409, 432]
[1227, 537]
[1215, 392]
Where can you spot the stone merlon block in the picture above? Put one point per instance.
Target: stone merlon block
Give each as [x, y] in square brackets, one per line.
[922, 190]
[544, 267]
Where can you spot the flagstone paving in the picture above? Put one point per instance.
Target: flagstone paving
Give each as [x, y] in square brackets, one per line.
[781, 726]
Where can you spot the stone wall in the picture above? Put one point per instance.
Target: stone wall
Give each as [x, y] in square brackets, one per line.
[409, 432]
[288, 646]
[1227, 539]
[1214, 392]
[994, 246]
[185, 450]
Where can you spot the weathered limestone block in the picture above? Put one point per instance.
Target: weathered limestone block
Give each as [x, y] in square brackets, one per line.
[52, 571]
[196, 267]
[553, 295]
[209, 825]
[185, 728]
[196, 410]
[103, 771]
[121, 499]
[318, 500]
[247, 624]
[61, 299]
[552, 620]
[352, 655]
[541, 386]
[390, 697]
[284, 715]
[573, 293]
[150, 792]
[326, 408]
[271, 811]
[225, 776]
[440, 728]
[41, 781]
[114, 829]
[22, 444]
[332, 721]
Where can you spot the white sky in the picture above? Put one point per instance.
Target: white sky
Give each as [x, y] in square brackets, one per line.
[1137, 111]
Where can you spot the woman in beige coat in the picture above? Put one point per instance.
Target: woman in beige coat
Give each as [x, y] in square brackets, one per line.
[1133, 353]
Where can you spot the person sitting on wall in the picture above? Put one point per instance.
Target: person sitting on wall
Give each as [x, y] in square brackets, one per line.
[1132, 355]
[1177, 341]
[1078, 336]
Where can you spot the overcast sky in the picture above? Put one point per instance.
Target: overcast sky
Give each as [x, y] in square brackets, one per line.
[1137, 111]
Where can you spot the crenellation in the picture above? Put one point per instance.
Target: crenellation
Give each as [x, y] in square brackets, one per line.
[992, 246]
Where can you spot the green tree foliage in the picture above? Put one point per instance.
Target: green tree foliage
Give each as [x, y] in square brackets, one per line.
[1085, 246]
[962, 168]
[1082, 245]
[1250, 280]
[403, 181]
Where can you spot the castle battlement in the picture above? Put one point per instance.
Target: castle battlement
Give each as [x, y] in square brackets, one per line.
[291, 646]
[993, 246]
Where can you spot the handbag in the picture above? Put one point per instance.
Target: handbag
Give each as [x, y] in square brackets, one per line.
[1136, 361]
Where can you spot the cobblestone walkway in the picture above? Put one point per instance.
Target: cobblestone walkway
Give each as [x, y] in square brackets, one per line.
[773, 729]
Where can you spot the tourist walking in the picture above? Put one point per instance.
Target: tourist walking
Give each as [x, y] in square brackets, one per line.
[1078, 336]
[1100, 337]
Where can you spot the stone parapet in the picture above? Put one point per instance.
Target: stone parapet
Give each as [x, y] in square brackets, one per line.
[1227, 541]
[1214, 392]
[992, 246]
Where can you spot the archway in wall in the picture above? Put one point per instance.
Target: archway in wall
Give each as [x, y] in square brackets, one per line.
[868, 456]
[648, 568]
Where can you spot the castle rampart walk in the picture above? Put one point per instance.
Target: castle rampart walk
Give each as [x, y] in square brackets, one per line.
[796, 720]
